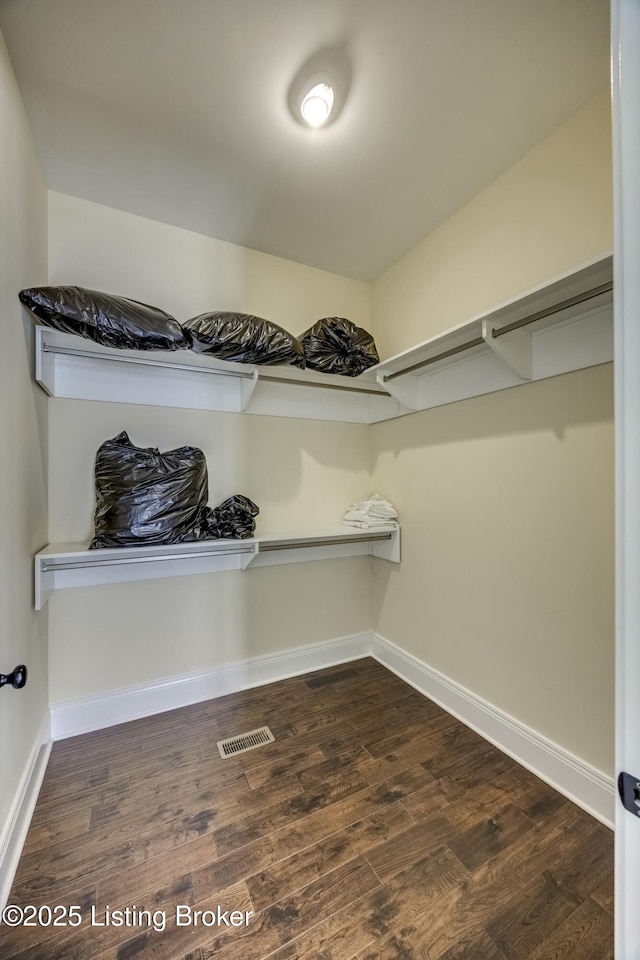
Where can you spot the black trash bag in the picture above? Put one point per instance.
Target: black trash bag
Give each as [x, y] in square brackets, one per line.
[243, 338]
[147, 497]
[336, 345]
[112, 321]
[234, 518]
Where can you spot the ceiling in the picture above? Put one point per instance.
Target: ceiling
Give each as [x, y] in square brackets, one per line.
[177, 110]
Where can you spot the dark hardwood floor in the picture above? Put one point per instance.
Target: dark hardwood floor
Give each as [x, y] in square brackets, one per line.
[375, 827]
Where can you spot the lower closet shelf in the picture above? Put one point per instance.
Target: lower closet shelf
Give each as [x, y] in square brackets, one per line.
[61, 566]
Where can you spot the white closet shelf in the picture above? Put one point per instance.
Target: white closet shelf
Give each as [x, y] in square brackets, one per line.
[68, 366]
[558, 327]
[73, 565]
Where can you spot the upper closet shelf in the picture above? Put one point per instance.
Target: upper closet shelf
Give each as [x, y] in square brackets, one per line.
[562, 326]
[74, 565]
[67, 366]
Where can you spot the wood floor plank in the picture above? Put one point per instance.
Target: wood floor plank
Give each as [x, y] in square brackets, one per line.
[295, 915]
[584, 935]
[27, 942]
[54, 788]
[468, 806]
[347, 762]
[279, 815]
[603, 894]
[530, 794]
[287, 876]
[409, 902]
[430, 800]
[220, 873]
[89, 797]
[73, 825]
[373, 919]
[484, 840]
[57, 874]
[290, 839]
[186, 932]
[589, 867]
[337, 937]
[274, 770]
[474, 948]
[539, 849]
[156, 872]
[527, 921]
[398, 853]
[201, 813]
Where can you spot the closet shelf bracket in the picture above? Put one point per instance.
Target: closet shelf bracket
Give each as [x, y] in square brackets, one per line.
[516, 350]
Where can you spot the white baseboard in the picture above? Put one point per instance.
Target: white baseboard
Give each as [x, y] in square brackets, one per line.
[571, 776]
[74, 717]
[583, 784]
[17, 824]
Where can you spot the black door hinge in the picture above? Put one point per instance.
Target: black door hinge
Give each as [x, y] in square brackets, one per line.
[629, 790]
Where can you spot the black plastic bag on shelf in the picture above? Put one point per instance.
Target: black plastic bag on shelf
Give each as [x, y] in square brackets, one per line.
[106, 319]
[336, 345]
[243, 338]
[234, 518]
[147, 497]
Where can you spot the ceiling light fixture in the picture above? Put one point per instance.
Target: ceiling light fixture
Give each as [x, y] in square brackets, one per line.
[318, 91]
[317, 104]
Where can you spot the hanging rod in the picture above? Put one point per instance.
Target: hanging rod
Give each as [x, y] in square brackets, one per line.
[148, 362]
[499, 332]
[477, 342]
[51, 566]
[324, 386]
[295, 545]
[550, 311]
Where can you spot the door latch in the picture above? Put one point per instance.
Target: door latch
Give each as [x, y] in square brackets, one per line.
[629, 790]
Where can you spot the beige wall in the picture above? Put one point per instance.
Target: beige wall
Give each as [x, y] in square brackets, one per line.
[187, 273]
[301, 473]
[23, 436]
[547, 214]
[506, 580]
[110, 637]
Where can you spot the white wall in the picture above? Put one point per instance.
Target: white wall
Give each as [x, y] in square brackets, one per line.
[23, 441]
[301, 473]
[506, 581]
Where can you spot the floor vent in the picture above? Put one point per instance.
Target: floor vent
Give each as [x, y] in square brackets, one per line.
[244, 742]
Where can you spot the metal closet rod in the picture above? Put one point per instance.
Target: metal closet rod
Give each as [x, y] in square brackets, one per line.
[500, 332]
[294, 545]
[148, 362]
[324, 386]
[48, 566]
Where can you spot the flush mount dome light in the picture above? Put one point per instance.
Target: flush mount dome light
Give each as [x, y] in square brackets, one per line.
[317, 104]
[318, 91]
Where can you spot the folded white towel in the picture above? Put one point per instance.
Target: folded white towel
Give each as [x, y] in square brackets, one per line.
[372, 506]
[368, 524]
[356, 515]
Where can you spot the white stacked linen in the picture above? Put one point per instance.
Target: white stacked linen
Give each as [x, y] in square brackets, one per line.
[368, 512]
